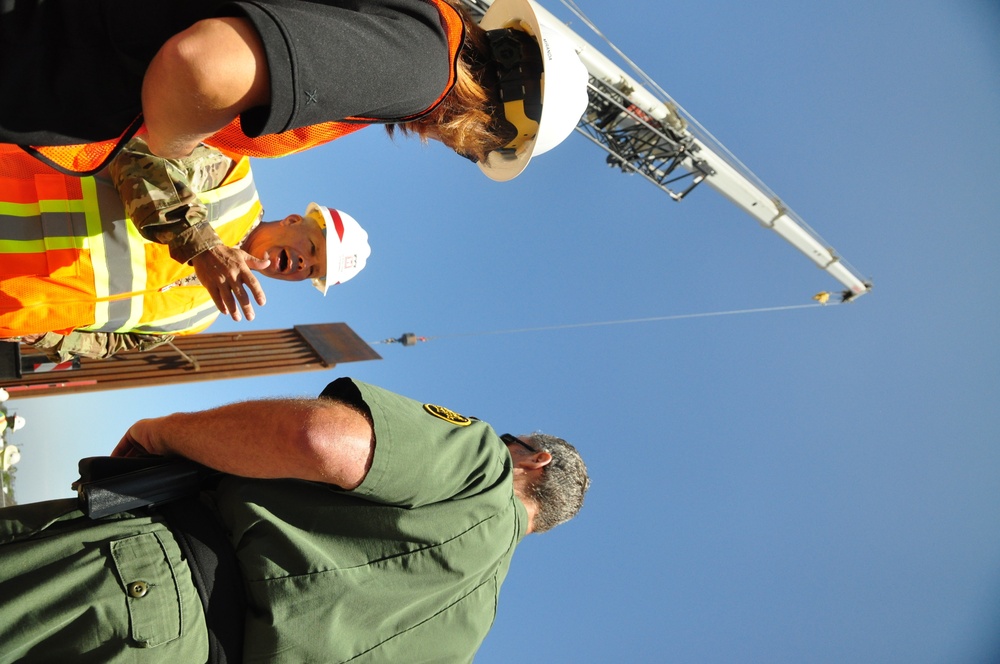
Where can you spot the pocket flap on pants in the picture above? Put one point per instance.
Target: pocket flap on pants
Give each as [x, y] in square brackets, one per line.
[154, 603]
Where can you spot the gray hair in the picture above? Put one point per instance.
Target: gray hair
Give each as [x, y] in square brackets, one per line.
[559, 493]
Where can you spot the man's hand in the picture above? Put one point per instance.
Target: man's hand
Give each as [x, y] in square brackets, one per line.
[137, 441]
[224, 272]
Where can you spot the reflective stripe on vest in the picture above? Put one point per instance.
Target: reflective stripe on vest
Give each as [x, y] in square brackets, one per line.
[88, 158]
[71, 260]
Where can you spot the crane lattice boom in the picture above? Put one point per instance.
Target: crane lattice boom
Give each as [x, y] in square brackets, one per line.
[651, 135]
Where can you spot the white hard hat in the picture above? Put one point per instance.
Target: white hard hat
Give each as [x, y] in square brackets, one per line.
[4, 395]
[18, 423]
[563, 88]
[9, 457]
[347, 248]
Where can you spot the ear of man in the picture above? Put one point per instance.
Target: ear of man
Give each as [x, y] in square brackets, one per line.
[534, 461]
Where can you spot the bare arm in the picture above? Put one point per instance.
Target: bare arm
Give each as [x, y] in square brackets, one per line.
[200, 80]
[311, 439]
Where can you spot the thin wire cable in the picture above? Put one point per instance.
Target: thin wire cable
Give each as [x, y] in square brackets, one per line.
[625, 321]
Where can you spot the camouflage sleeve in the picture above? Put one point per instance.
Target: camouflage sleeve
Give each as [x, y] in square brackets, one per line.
[96, 345]
[160, 195]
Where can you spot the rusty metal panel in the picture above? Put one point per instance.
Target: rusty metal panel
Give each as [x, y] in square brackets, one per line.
[202, 357]
[336, 342]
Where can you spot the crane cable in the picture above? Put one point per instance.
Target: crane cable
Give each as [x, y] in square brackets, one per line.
[410, 339]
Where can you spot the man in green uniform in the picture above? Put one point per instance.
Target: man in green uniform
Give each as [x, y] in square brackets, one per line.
[364, 526]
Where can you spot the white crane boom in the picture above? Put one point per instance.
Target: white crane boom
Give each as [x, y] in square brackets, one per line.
[653, 136]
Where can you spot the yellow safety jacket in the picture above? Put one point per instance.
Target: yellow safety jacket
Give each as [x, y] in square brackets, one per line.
[70, 259]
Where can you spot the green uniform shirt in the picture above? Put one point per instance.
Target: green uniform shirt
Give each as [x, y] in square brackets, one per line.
[405, 568]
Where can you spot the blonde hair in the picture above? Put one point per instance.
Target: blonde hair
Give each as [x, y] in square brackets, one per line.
[463, 120]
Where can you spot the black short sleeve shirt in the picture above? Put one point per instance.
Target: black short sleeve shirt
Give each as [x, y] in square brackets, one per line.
[71, 70]
[381, 60]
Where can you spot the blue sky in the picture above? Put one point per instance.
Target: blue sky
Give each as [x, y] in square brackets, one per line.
[811, 485]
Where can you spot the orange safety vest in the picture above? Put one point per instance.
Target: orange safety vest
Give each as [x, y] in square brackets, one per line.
[88, 158]
[70, 259]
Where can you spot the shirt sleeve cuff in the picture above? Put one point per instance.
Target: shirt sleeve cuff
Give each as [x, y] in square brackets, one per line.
[193, 241]
[277, 115]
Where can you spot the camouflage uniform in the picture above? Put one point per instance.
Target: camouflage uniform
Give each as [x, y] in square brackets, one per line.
[97, 345]
[159, 196]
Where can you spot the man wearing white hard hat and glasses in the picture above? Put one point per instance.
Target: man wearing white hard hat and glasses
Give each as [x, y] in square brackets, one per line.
[127, 290]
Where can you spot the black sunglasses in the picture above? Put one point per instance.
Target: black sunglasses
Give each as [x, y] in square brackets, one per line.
[511, 439]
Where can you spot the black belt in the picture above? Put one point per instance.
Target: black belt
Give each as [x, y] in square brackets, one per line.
[216, 575]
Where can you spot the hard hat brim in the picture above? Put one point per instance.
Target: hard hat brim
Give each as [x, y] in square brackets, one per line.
[564, 87]
[335, 247]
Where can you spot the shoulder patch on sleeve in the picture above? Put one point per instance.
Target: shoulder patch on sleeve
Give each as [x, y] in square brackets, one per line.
[447, 415]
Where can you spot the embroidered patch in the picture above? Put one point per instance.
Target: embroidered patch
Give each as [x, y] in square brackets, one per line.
[447, 415]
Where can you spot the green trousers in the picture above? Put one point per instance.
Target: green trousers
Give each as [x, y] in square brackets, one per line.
[74, 590]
